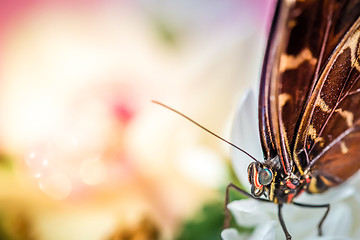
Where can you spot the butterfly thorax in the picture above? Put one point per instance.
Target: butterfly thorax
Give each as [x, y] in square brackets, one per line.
[269, 180]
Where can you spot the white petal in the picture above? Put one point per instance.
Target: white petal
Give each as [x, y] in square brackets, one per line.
[329, 238]
[245, 134]
[339, 221]
[265, 231]
[354, 181]
[231, 234]
[334, 194]
[250, 212]
[357, 232]
[302, 223]
[245, 205]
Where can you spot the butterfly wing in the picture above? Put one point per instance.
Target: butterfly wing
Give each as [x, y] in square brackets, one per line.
[268, 115]
[302, 39]
[329, 132]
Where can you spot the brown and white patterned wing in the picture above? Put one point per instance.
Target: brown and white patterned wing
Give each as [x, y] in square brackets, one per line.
[303, 37]
[329, 132]
[268, 115]
[287, 74]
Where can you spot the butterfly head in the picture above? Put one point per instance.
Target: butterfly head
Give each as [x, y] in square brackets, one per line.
[260, 177]
[277, 187]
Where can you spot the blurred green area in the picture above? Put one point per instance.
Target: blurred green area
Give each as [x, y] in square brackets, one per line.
[207, 223]
[6, 163]
[3, 234]
[204, 224]
[16, 226]
[165, 32]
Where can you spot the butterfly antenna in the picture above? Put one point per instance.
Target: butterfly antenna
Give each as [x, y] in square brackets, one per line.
[204, 128]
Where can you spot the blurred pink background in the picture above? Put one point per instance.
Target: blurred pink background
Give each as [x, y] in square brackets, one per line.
[84, 152]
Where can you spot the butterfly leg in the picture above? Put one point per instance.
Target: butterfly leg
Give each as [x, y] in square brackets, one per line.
[327, 206]
[282, 223]
[227, 199]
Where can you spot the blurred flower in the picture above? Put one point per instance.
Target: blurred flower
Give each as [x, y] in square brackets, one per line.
[144, 230]
[342, 221]
[90, 156]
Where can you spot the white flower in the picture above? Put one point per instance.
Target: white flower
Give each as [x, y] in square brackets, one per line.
[342, 222]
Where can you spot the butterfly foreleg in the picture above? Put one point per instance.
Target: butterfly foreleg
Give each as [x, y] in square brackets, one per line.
[282, 223]
[227, 200]
[327, 206]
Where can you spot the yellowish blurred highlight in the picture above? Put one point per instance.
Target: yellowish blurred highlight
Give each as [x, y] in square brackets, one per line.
[90, 156]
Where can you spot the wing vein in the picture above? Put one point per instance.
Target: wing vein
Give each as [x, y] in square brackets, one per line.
[339, 99]
[336, 140]
[323, 46]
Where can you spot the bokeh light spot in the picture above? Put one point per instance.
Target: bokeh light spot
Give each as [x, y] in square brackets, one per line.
[203, 166]
[57, 186]
[92, 171]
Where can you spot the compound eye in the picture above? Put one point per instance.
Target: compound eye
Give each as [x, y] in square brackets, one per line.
[257, 192]
[252, 172]
[265, 176]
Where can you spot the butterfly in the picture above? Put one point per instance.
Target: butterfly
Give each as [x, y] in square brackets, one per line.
[309, 103]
